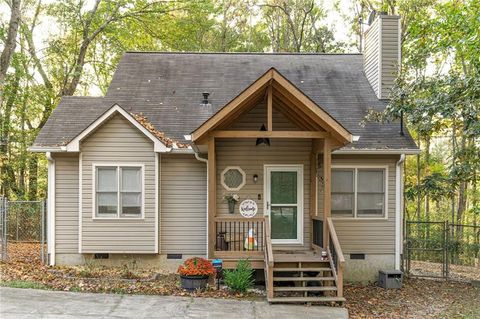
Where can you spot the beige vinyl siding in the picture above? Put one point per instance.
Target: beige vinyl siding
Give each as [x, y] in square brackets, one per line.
[371, 55]
[66, 203]
[369, 236]
[390, 53]
[251, 159]
[381, 54]
[118, 141]
[183, 205]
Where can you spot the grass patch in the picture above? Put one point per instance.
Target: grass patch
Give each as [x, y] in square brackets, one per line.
[23, 284]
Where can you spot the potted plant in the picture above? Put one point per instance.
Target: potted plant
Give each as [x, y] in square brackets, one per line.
[194, 273]
[231, 199]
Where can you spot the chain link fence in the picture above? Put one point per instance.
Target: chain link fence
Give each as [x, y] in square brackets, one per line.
[442, 249]
[22, 222]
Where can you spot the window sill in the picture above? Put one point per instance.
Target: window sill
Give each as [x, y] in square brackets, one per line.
[360, 218]
[118, 218]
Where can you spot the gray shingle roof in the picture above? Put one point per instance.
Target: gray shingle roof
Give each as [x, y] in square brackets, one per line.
[167, 88]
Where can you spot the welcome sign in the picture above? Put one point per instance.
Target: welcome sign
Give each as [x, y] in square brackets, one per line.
[248, 208]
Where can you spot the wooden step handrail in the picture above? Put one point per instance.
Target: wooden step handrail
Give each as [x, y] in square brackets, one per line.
[269, 262]
[268, 241]
[339, 264]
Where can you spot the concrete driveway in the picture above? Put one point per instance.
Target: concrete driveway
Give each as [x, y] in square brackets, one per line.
[29, 303]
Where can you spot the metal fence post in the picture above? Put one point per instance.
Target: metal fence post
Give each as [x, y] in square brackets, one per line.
[447, 250]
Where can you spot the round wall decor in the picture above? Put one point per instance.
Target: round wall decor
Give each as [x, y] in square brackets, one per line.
[248, 208]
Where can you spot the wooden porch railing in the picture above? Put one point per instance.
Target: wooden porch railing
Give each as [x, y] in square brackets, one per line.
[232, 238]
[335, 254]
[269, 262]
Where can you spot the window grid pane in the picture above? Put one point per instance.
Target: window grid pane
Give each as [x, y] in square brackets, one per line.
[131, 179]
[109, 196]
[358, 192]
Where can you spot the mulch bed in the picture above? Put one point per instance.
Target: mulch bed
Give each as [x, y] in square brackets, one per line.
[24, 264]
[420, 298]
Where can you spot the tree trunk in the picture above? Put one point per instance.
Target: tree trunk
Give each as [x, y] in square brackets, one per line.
[418, 182]
[32, 177]
[10, 43]
[427, 172]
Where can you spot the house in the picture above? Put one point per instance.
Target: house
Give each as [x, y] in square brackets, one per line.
[142, 172]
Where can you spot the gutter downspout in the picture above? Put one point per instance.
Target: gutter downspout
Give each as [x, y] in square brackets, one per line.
[51, 209]
[204, 160]
[398, 209]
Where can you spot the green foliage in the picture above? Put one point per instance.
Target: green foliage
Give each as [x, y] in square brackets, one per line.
[23, 284]
[241, 278]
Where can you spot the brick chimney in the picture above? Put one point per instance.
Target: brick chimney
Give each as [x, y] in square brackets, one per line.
[381, 54]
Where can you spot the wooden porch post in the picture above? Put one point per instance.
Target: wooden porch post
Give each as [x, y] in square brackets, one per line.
[313, 184]
[327, 188]
[212, 195]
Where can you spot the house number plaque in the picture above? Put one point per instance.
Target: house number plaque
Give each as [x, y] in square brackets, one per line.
[248, 208]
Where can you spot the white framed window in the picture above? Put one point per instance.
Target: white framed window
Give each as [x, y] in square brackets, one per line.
[119, 191]
[233, 178]
[359, 192]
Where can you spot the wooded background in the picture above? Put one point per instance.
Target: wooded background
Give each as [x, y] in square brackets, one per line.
[438, 90]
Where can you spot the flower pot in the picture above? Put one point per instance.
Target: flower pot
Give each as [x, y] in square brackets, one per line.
[193, 283]
[231, 206]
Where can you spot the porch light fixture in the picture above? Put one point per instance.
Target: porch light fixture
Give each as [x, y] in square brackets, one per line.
[255, 178]
[262, 140]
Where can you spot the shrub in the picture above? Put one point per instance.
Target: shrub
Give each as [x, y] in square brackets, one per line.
[241, 278]
[196, 266]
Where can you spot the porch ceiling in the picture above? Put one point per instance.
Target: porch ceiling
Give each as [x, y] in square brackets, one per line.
[281, 95]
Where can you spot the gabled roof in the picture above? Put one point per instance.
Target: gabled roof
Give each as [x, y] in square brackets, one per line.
[167, 89]
[273, 78]
[74, 144]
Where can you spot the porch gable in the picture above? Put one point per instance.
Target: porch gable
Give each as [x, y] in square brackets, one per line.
[279, 93]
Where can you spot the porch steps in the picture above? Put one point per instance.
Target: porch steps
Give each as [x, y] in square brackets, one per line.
[317, 269]
[302, 277]
[305, 288]
[307, 299]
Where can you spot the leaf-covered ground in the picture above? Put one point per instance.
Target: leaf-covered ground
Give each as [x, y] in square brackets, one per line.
[420, 298]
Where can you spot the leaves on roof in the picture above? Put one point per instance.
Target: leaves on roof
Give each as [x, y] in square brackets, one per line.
[169, 142]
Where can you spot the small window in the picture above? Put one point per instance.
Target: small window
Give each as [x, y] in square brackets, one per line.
[118, 191]
[343, 192]
[359, 192]
[233, 178]
[371, 192]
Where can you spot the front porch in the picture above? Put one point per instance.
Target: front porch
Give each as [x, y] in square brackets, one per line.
[277, 145]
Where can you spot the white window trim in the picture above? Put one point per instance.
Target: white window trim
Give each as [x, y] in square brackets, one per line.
[355, 168]
[267, 168]
[233, 189]
[94, 190]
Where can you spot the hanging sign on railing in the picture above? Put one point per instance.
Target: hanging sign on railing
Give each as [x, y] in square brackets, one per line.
[248, 208]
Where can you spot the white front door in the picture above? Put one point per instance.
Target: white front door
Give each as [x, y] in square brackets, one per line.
[284, 202]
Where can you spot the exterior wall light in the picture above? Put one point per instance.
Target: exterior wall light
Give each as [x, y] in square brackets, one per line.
[255, 178]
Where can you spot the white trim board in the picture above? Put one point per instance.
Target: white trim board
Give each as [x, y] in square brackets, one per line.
[80, 202]
[267, 168]
[74, 144]
[51, 209]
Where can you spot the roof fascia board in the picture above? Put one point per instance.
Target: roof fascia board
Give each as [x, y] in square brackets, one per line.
[272, 74]
[304, 99]
[232, 105]
[44, 149]
[74, 145]
[407, 151]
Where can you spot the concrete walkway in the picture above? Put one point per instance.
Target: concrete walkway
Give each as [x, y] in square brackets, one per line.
[29, 303]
